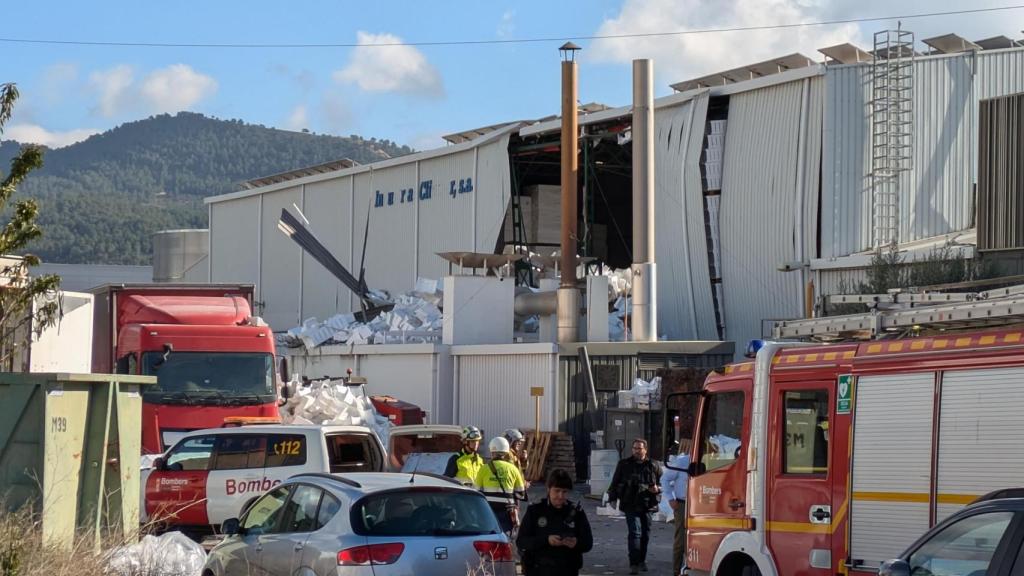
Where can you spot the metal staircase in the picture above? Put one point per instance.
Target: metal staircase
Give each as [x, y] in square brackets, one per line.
[892, 89]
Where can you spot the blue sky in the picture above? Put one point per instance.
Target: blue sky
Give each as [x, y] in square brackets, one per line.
[411, 95]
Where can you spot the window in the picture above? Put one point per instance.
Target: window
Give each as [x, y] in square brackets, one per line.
[422, 513]
[240, 451]
[285, 450]
[352, 453]
[805, 442]
[214, 377]
[329, 506]
[300, 514]
[262, 517]
[191, 454]
[964, 547]
[722, 430]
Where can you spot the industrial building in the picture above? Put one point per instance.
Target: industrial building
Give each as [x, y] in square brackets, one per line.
[767, 177]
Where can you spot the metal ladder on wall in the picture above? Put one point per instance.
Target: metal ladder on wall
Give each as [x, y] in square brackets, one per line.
[909, 311]
[892, 89]
[523, 268]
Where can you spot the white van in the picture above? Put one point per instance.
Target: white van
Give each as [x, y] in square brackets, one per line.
[211, 475]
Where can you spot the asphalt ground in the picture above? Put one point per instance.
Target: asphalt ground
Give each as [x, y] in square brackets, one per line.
[610, 555]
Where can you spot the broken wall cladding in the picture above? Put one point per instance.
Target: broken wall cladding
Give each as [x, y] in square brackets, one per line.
[619, 373]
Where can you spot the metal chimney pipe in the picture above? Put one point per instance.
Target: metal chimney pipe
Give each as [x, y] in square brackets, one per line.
[568, 293]
[645, 289]
[570, 169]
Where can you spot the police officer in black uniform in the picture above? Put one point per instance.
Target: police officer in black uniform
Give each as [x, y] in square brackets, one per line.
[554, 534]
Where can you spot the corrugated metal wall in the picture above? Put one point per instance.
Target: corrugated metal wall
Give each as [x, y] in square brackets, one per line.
[419, 211]
[281, 266]
[492, 386]
[685, 308]
[936, 196]
[762, 224]
[233, 241]
[1001, 174]
[328, 206]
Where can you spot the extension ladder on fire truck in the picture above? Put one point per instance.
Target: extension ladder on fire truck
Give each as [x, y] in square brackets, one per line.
[912, 310]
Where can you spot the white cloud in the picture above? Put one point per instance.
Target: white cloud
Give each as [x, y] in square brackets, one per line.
[390, 68]
[298, 119]
[175, 88]
[507, 24]
[113, 86]
[57, 82]
[428, 141]
[679, 57]
[34, 134]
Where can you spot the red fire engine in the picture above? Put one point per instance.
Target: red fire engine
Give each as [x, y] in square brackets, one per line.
[829, 459]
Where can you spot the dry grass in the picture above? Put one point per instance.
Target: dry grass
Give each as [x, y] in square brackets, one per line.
[22, 552]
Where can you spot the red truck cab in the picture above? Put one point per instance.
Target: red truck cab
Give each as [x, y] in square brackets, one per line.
[212, 359]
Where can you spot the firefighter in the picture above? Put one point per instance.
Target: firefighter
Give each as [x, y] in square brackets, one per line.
[555, 533]
[517, 442]
[465, 464]
[502, 484]
[636, 485]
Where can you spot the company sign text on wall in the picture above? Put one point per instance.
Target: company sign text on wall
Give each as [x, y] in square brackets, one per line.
[426, 192]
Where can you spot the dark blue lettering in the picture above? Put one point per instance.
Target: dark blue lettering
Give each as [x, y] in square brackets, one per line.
[425, 187]
[391, 198]
[452, 191]
[378, 200]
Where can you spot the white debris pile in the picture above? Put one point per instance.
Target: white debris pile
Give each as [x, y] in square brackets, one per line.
[617, 329]
[643, 395]
[170, 554]
[416, 317]
[331, 403]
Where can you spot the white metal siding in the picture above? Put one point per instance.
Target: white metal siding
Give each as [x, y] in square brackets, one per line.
[445, 221]
[391, 253]
[936, 196]
[234, 241]
[328, 208]
[759, 214]
[280, 269]
[404, 236]
[892, 439]
[980, 434]
[685, 307]
[417, 373]
[840, 281]
[493, 388]
[493, 190]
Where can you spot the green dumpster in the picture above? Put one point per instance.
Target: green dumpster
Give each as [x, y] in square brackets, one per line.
[70, 447]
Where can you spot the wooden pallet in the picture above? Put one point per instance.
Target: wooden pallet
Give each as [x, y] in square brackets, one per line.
[547, 451]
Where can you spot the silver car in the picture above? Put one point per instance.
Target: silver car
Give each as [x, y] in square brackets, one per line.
[379, 524]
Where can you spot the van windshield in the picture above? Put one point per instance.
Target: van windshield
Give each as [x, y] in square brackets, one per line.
[209, 378]
[431, 512]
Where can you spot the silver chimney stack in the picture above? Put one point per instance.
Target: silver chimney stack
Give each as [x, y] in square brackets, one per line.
[645, 279]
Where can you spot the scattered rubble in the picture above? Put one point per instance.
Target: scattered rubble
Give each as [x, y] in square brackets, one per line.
[332, 403]
[416, 317]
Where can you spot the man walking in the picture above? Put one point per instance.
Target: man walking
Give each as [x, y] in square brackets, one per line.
[636, 486]
[673, 485]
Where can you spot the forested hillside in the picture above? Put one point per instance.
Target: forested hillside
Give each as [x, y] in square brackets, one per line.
[101, 199]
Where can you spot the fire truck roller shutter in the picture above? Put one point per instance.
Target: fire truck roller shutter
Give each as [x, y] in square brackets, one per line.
[980, 435]
[891, 465]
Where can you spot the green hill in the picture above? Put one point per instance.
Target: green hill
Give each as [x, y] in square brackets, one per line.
[101, 199]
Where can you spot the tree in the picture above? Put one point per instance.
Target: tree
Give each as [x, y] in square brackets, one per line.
[20, 318]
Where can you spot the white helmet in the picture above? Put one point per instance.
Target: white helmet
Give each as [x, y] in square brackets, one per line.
[513, 435]
[498, 445]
